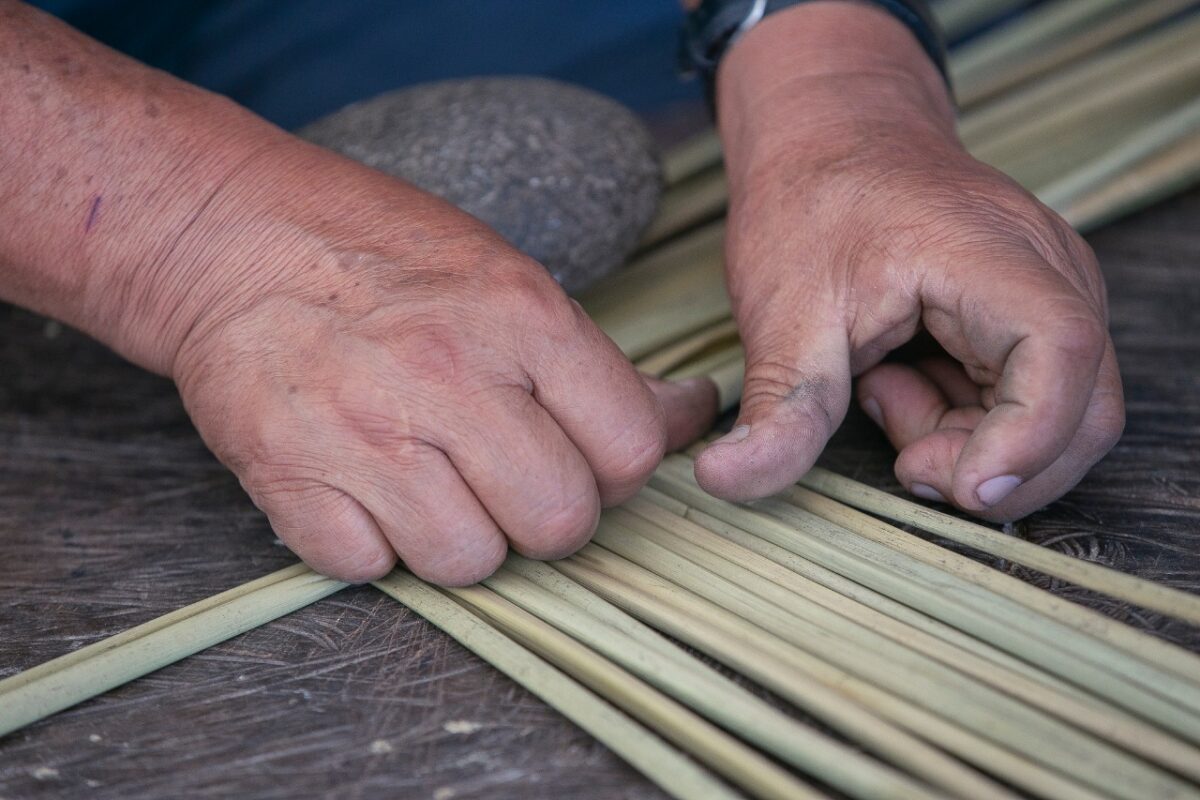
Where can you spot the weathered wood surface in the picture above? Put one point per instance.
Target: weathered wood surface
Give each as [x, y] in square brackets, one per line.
[112, 512]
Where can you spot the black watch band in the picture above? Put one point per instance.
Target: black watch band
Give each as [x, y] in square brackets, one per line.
[716, 24]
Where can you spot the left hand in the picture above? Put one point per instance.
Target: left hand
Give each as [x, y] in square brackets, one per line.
[857, 219]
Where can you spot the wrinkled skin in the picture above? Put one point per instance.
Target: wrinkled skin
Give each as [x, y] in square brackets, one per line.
[389, 380]
[387, 377]
[858, 220]
[415, 388]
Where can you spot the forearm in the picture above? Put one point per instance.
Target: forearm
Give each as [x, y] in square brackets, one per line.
[105, 165]
[823, 79]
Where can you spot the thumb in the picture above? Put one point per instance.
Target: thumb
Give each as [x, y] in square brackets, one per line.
[689, 407]
[797, 389]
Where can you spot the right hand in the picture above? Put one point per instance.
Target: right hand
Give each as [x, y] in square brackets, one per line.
[388, 377]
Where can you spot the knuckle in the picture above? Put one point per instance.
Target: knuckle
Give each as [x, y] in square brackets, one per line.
[441, 354]
[465, 565]
[377, 418]
[1080, 335]
[1107, 423]
[273, 447]
[365, 563]
[527, 292]
[318, 522]
[1081, 251]
[276, 481]
[640, 453]
[433, 348]
[557, 532]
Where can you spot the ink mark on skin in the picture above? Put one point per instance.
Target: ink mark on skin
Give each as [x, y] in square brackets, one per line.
[93, 215]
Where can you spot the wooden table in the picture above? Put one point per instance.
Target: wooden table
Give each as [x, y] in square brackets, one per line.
[112, 512]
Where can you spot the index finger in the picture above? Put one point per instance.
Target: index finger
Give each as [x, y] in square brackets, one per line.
[602, 404]
[1045, 341]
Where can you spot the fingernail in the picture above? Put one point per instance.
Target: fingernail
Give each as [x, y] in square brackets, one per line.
[735, 435]
[927, 492]
[871, 407]
[993, 490]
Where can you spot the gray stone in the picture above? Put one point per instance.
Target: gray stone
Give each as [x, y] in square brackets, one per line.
[568, 176]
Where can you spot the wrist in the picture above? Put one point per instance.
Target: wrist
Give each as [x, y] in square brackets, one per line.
[827, 78]
[168, 250]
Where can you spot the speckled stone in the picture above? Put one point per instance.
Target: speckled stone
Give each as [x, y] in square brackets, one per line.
[568, 176]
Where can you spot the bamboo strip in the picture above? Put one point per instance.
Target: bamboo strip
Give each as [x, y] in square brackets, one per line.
[683, 208]
[996, 52]
[1048, 143]
[870, 598]
[957, 17]
[555, 582]
[643, 750]
[962, 595]
[1156, 178]
[672, 292]
[716, 698]
[1040, 164]
[1095, 74]
[729, 377]
[1180, 661]
[1128, 679]
[692, 157]
[725, 754]
[776, 664]
[726, 368]
[64, 682]
[1090, 77]
[1152, 138]
[700, 197]
[785, 588]
[166, 620]
[1129, 20]
[1129, 588]
[664, 501]
[861, 726]
[707, 363]
[673, 355]
[906, 673]
[1182, 668]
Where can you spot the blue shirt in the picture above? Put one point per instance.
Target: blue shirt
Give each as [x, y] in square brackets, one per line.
[295, 60]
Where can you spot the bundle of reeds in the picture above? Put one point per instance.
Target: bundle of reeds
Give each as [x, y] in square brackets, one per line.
[932, 675]
[954, 679]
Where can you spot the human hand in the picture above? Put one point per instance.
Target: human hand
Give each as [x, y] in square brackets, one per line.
[384, 374]
[857, 220]
[387, 376]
